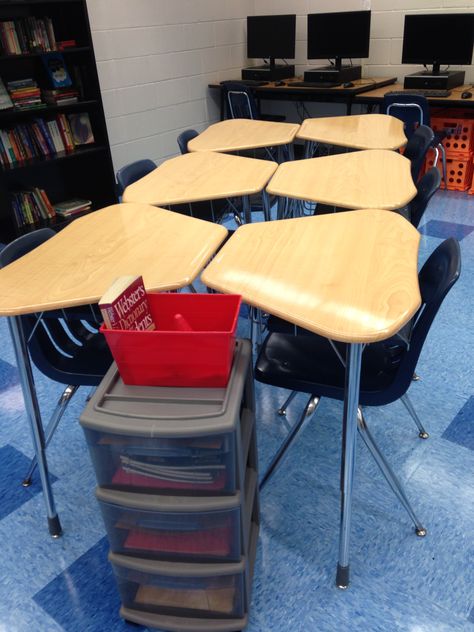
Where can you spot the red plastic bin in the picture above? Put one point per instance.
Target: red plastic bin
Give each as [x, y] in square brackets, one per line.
[192, 345]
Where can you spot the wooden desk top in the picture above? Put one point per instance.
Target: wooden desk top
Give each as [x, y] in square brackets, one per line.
[201, 176]
[364, 131]
[347, 276]
[454, 98]
[240, 134]
[77, 265]
[375, 178]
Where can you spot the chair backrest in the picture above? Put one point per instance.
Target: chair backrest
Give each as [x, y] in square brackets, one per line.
[240, 101]
[412, 109]
[61, 343]
[184, 138]
[133, 172]
[437, 276]
[426, 187]
[417, 148]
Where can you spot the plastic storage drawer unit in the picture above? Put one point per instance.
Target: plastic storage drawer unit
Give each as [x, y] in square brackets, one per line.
[180, 441]
[188, 529]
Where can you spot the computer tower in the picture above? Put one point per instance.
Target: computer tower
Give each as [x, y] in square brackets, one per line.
[330, 74]
[444, 80]
[269, 73]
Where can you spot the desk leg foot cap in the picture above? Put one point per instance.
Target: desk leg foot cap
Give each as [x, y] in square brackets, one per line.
[342, 577]
[26, 482]
[54, 527]
[420, 532]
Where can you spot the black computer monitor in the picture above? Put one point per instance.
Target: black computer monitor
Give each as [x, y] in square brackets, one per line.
[339, 35]
[271, 37]
[438, 38]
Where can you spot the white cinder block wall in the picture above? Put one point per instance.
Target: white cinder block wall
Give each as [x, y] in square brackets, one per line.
[156, 57]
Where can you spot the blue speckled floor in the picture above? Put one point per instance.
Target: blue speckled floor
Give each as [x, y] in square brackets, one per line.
[399, 582]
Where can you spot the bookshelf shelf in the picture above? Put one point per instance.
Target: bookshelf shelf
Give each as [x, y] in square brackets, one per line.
[86, 172]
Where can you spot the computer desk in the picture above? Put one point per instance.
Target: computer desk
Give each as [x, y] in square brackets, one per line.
[375, 96]
[287, 92]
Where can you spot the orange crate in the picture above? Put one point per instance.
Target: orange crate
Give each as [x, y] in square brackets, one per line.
[471, 190]
[458, 170]
[459, 126]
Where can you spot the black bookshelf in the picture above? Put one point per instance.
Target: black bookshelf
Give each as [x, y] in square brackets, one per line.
[85, 172]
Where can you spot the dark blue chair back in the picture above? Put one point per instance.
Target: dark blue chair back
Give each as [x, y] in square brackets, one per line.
[240, 100]
[417, 148]
[184, 138]
[133, 172]
[412, 109]
[426, 187]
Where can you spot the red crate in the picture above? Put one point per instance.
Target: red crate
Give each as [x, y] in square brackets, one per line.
[471, 190]
[459, 127]
[192, 345]
[458, 170]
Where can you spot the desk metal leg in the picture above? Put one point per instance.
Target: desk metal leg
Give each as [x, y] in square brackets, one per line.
[34, 417]
[266, 206]
[247, 209]
[349, 436]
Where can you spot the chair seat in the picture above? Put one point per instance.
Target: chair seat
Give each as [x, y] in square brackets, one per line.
[308, 363]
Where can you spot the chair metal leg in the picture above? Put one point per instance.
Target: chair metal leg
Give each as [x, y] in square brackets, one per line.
[388, 473]
[410, 408]
[287, 441]
[34, 417]
[282, 410]
[51, 427]
[443, 163]
[247, 209]
[349, 438]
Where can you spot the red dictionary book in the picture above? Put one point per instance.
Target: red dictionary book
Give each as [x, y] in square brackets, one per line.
[125, 305]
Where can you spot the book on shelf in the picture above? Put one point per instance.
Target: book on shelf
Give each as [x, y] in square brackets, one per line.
[25, 94]
[60, 96]
[27, 35]
[81, 128]
[125, 305]
[35, 139]
[68, 208]
[31, 207]
[56, 69]
[5, 101]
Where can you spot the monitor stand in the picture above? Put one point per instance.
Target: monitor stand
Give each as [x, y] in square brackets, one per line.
[436, 80]
[272, 72]
[334, 74]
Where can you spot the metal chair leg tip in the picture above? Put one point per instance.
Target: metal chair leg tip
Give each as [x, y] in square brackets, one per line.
[420, 532]
[282, 412]
[423, 435]
[26, 482]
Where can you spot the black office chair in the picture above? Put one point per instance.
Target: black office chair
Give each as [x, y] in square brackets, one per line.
[311, 364]
[416, 149]
[64, 345]
[426, 188]
[414, 110]
[132, 172]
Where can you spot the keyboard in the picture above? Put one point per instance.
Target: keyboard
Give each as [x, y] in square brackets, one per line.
[249, 82]
[312, 84]
[422, 93]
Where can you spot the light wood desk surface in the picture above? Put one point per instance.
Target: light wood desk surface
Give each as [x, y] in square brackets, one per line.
[77, 265]
[362, 131]
[240, 134]
[201, 176]
[375, 178]
[347, 276]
